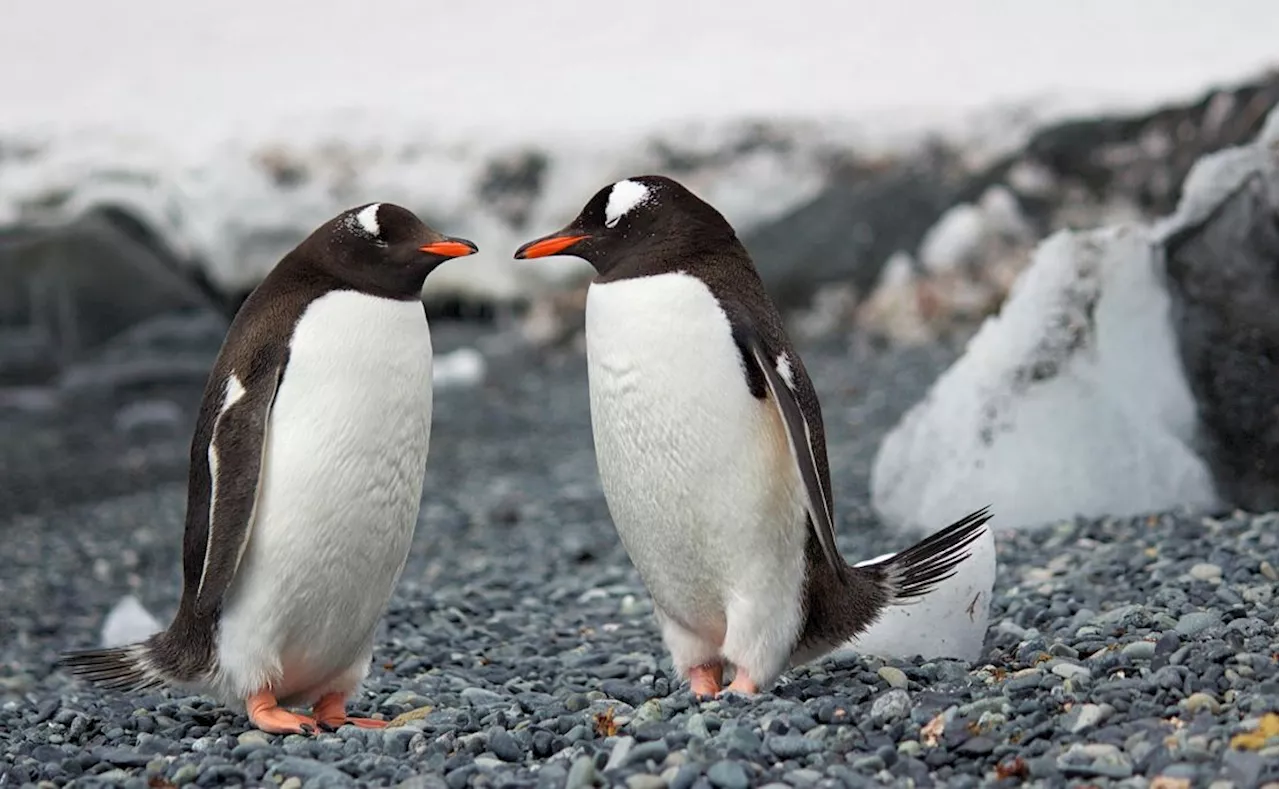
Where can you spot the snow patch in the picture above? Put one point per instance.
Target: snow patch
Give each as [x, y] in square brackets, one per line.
[949, 622]
[463, 367]
[1071, 402]
[128, 623]
[954, 239]
[1217, 176]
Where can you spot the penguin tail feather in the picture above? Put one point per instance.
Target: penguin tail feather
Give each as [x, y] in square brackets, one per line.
[915, 572]
[129, 668]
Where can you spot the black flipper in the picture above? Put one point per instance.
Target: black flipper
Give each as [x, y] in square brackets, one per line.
[799, 437]
[235, 457]
[227, 455]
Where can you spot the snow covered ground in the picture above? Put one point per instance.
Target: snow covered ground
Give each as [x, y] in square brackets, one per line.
[234, 130]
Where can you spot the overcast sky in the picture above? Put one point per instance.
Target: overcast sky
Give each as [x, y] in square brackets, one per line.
[592, 64]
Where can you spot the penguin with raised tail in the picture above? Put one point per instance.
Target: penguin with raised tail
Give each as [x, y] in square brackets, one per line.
[306, 477]
[710, 447]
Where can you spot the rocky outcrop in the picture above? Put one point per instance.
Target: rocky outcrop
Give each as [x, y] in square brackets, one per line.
[1132, 370]
[66, 291]
[1221, 258]
[863, 215]
[956, 258]
[227, 213]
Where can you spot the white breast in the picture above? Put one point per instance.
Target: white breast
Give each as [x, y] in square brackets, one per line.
[339, 496]
[696, 471]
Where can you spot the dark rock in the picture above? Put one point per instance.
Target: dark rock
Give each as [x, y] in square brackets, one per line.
[977, 746]
[65, 291]
[851, 228]
[628, 692]
[1222, 275]
[122, 757]
[505, 747]
[512, 185]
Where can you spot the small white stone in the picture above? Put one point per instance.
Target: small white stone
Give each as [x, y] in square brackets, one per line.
[463, 367]
[893, 676]
[128, 623]
[1205, 571]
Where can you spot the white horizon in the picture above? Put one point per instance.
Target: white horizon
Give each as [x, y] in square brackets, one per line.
[573, 66]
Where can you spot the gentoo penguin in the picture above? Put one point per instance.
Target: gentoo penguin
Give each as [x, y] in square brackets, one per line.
[306, 475]
[709, 441]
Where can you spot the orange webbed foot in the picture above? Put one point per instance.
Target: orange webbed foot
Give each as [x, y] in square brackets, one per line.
[743, 684]
[704, 680]
[331, 712]
[270, 717]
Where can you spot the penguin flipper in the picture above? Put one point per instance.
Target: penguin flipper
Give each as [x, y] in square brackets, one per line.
[237, 443]
[800, 437]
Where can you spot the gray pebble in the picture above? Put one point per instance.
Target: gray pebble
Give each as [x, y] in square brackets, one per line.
[582, 774]
[1139, 650]
[479, 697]
[802, 778]
[792, 746]
[1201, 701]
[655, 751]
[1086, 716]
[618, 756]
[1195, 622]
[728, 775]
[646, 781]
[1071, 671]
[894, 676]
[310, 770]
[891, 705]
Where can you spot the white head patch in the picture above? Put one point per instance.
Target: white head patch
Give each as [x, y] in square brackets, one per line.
[368, 220]
[624, 196]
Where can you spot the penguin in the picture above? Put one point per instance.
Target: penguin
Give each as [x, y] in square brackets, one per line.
[710, 448]
[306, 476]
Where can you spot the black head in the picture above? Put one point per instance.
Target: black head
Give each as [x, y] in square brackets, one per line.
[381, 248]
[645, 220]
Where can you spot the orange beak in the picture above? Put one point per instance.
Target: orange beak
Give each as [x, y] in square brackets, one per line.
[544, 247]
[450, 248]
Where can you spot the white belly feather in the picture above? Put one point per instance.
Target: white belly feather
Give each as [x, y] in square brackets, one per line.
[339, 498]
[696, 472]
